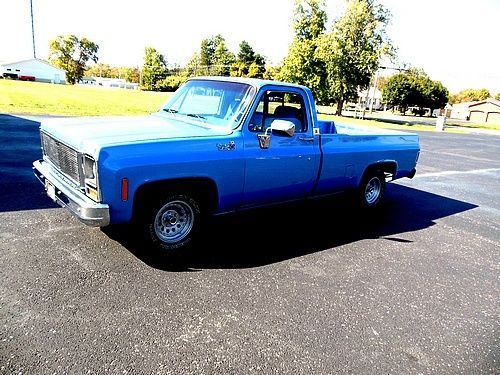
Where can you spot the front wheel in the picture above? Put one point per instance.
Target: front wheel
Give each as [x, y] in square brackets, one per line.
[172, 223]
[371, 190]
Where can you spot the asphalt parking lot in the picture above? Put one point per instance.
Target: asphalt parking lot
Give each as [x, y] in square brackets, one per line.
[414, 288]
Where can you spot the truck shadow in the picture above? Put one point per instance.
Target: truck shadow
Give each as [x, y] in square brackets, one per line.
[19, 147]
[271, 235]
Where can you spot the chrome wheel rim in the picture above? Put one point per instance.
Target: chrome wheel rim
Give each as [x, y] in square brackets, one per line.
[174, 222]
[372, 190]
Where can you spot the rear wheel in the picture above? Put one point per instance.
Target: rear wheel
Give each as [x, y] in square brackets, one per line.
[172, 223]
[372, 188]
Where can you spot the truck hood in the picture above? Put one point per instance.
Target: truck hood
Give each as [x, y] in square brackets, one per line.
[91, 134]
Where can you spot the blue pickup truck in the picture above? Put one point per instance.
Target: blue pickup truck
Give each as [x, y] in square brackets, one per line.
[219, 145]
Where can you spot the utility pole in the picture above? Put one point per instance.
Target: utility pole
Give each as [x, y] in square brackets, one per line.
[373, 93]
[32, 29]
[366, 100]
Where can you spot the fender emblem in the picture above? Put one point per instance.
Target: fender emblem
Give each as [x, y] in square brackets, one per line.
[226, 146]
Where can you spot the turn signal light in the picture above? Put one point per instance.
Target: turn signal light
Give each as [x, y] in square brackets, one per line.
[92, 193]
[125, 189]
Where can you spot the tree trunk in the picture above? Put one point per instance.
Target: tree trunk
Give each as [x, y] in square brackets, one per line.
[340, 105]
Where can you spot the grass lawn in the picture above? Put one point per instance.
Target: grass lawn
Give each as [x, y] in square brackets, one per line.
[379, 124]
[394, 121]
[19, 97]
[382, 124]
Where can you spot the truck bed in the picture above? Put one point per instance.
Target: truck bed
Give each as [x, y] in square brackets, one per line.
[347, 150]
[330, 127]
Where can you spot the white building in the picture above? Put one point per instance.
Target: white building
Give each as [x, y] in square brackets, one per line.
[446, 111]
[487, 110]
[461, 111]
[366, 98]
[109, 82]
[32, 70]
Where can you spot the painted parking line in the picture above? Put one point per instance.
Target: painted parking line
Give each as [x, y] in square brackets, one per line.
[451, 173]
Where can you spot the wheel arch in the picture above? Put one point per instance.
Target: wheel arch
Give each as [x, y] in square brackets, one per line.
[388, 167]
[203, 188]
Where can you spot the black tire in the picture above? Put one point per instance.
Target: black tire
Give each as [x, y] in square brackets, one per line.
[171, 224]
[371, 190]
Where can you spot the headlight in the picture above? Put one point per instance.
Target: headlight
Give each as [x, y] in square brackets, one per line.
[90, 177]
[89, 167]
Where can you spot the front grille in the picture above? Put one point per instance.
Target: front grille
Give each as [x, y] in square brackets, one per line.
[63, 157]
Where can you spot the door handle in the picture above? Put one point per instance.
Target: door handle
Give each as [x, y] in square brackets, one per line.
[307, 139]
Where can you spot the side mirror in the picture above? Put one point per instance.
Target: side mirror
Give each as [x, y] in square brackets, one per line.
[264, 140]
[283, 126]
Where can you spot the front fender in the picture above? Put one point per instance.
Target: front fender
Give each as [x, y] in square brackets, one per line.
[170, 160]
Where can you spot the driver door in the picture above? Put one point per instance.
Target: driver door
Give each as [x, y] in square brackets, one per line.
[288, 169]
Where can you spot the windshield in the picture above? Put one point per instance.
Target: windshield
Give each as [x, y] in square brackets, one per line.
[213, 103]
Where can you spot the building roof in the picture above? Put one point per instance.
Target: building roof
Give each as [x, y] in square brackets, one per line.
[7, 63]
[489, 100]
[464, 105]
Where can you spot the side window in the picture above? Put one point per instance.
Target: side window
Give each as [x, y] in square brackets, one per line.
[279, 105]
[257, 119]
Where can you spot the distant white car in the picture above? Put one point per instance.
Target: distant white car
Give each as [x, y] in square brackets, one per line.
[351, 107]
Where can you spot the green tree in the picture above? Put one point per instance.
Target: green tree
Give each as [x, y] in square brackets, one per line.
[130, 74]
[70, 53]
[398, 91]
[246, 53]
[381, 82]
[470, 95]
[222, 60]
[414, 88]
[433, 95]
[99, 70]
[154, 69]
[353, 49]
[207, 50]
[193, 67]
[255, 71]
[310, 18]
[171, 83]
[239, 69]
[302, 64]
[271, 72]
[497, 96]
[247, 58]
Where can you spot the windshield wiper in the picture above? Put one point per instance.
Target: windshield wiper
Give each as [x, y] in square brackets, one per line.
[170, 110]
[195, 115]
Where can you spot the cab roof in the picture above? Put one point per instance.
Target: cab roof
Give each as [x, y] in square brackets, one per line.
[255, 82]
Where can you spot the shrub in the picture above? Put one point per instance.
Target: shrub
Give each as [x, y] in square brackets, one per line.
[170, 83]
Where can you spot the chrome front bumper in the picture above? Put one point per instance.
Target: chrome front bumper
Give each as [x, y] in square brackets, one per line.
[84, 208]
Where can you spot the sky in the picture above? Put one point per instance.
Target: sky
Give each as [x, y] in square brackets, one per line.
[454, 41]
